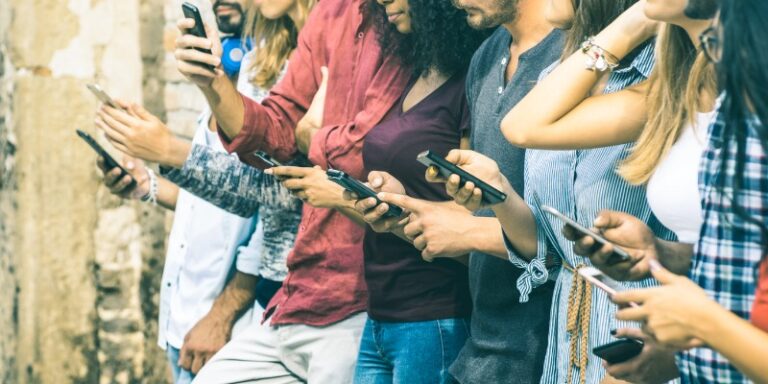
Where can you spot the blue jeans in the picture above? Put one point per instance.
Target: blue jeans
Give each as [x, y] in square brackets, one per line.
[180, 375]
[410, 353]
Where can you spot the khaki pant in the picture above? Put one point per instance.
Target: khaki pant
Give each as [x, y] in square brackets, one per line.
[288, 354]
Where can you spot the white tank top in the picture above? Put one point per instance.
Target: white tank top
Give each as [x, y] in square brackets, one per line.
[673, 190]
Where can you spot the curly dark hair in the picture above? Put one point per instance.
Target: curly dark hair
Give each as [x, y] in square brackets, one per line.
[440, 39]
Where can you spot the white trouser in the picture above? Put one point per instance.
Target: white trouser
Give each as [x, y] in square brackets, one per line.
[288, 354]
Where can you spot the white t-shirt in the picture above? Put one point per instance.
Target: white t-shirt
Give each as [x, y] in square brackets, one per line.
[673, 190]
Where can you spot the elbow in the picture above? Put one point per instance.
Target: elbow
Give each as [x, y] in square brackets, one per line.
[513, 133]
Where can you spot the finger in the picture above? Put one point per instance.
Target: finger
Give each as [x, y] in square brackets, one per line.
[115, 125]
[465, 193]
[452, 185]
[121, 187]
[120, 116]
[197, 363]
[189, 41]
[185, 358]
[294, 184]
[185, 25]
[571, 234]
[632, 314]
[420, 243]
[350, 196]
[413, 229]
[194, 70]
[609, 219]
[661, 274]
[290, 172]
[433, 175]
[142, 113]
[377, 179]
[403, 201]
[476, 200]
[638, 296]
[630, 333]
[364, 205]
[193, 56]
[101, 164]
[112, 177]
[376, 214]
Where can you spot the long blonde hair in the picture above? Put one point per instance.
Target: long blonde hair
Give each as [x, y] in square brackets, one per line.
[674, 97]
[274, 41]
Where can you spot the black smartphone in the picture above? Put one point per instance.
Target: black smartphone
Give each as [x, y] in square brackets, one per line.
[491, 195]
[621, 254]
[267, 159]
[109, 161]
[619, 351]
[362, 190]
[191, 12]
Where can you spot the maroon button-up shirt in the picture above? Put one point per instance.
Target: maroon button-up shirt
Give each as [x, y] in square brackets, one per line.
[325, 281]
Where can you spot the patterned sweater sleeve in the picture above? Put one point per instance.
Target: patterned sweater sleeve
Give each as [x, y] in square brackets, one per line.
[224, 181]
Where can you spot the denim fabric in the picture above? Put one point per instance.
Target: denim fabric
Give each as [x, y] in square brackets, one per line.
[180, 375]
[410, 353]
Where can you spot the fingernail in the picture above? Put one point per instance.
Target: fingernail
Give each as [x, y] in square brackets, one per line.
[613, 332]
[655, 265]
[268, 171]
[129, 165]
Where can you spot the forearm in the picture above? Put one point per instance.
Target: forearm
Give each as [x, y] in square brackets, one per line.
[743, 344]
[167, 193]
[518, 223]
[176, 153]
[227, 106]
[675, 256]
[236, 298]
[486, 237]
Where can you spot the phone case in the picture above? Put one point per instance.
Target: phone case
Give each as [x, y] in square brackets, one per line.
[362, 191]
[491, 195]
[191, 12]
[619, 351]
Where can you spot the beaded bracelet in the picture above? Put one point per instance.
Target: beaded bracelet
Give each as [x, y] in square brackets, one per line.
[151, 196]
[599, 60]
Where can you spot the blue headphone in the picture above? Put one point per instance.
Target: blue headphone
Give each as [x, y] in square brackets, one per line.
[234, 48]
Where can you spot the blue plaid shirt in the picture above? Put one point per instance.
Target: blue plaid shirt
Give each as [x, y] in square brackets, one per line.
[727, 257]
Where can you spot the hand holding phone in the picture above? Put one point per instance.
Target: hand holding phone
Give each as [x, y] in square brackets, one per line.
[621, 254]
[362, 190]
[191, 12]
[445, 168]
[109, 161]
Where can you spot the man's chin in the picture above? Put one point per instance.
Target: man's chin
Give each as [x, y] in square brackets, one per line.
[229, 28]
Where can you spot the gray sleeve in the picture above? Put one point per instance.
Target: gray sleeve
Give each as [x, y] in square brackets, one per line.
[224, 181]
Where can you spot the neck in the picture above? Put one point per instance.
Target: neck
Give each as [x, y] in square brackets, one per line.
[530, 26]
[694, 28]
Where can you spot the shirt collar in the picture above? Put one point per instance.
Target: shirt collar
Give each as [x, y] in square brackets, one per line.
[642, 59]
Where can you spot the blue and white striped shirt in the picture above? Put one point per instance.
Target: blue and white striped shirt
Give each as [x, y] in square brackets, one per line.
[580, 184]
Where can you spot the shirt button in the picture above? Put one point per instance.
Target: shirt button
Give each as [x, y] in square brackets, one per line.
[360, 35]
[181, 246]
[504, 61]
[168, 284]
[501, 90]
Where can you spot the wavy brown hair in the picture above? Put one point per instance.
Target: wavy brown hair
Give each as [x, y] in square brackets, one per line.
[274, 41]
[674, 97]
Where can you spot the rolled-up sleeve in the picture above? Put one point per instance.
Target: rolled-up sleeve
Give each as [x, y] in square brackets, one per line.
[535, 271]
[249, 256]
[226, 182]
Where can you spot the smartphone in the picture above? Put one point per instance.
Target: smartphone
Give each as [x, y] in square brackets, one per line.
[362, 190]
[191, 12]
[491, 195]
[619, 351]
[103, 96]
[109, 161]
[263, 156]
[602, 281]
[620, 253]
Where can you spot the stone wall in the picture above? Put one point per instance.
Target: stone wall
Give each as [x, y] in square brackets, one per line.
[79, 268]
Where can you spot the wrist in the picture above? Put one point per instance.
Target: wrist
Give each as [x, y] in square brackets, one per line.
[176, 152]
[712, 322]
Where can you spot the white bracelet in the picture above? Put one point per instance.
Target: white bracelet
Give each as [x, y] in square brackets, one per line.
[151, 196]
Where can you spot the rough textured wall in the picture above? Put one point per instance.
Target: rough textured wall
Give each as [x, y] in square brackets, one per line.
[8, 282]
[87, 264]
